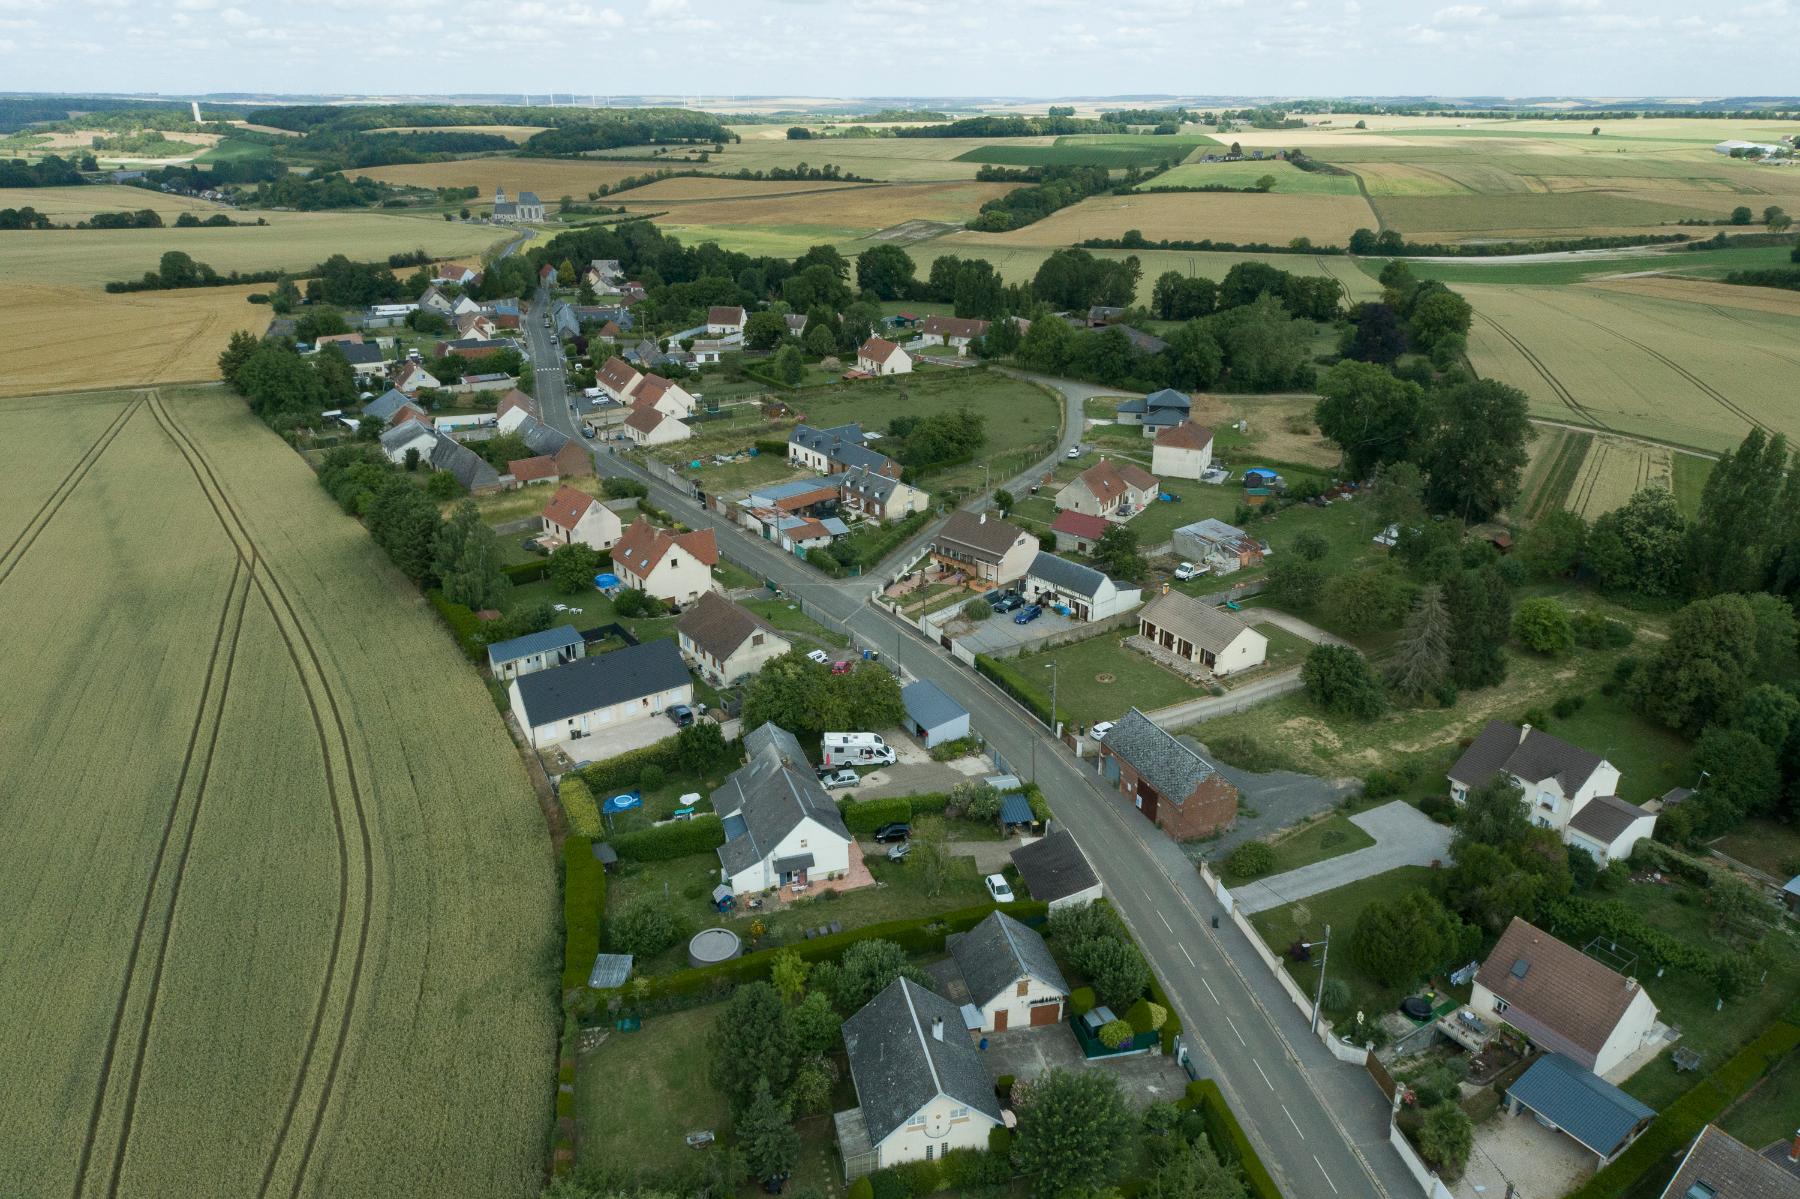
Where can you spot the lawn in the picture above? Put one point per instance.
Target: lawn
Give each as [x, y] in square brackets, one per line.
[1770, 847]
[596, 610]
[1288, 178]
[1691, 472]
[1097, 679]
[787, 617]
[640, 1093]
[1771, 1112]
[733, 576]
[1305, 920]
[742, 474]
[1309, 843]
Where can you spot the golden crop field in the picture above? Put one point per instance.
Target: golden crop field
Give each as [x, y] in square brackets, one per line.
[275, 924]
[66, 205]
[1615, 469]
[290, 240]
[859, 208]
[1192, 216]
[900, 159]
[689, 188]
[1776, 300]
[550, 178]
[82, 337]
[1686, 373]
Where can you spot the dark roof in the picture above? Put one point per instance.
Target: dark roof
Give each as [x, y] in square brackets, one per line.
[470, 468]
[1000, 951]
[1054, 866]
[588, 684]
[986, 537]
[772, 793]
[1016, 809]
[1149, 343]
[1168, 397]
[383, 406]
[540, 437]
[1579, 1102]
[718, 626]
[365, 353]
[899, 1066]
[1730, 1169]
[529, 198]
[1533, 755]
[1169, 766]
[927, 706]
[1556, 995]
[560, 637]
[842, 444]
[1065, 575]
[1604, 817]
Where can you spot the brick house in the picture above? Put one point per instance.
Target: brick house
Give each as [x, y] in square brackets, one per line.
[1170, 784]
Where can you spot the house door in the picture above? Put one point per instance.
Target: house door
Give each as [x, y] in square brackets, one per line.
[1000, 1020]
[1146, 800]
[1046, 1013]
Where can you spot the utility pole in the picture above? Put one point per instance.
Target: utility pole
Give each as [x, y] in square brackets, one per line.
[1051, 667]
[1324, 961]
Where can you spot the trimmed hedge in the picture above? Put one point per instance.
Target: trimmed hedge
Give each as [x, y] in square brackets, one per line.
[871, 814]
[1081, 1001]
[527, 572]
[1172, 1022]
[622, 773]
[584, 904]
[579, 807]
[770, 446]
[989, 667]
[1682, 1120]
[677, 839]
[462, 623]
[1228, 1138]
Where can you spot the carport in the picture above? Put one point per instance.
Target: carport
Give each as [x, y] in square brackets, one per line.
[1567, 1098]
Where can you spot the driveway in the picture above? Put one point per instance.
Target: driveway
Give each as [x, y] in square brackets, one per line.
[1404, 836]
[1278, 799]
[617, 739]
[998, 633]
[1028, 1052]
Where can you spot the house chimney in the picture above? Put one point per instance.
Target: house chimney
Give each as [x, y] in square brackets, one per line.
[1524, 732]
[937, 1028]
[1631, 985]
[1794, 1149]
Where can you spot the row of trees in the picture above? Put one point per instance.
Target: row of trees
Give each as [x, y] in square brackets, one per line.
[802, 696]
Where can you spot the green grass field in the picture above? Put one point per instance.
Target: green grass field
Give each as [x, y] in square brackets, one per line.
[1097, 679]
[1312, 842]
[1769, 1114]
[635, 1100]
[1138, 152]
[1288, 178]
[1698, 263]
[1691, 473]
[1305, 920]
[1768, 845]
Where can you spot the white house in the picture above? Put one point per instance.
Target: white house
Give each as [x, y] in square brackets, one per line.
[1563, 1000]
[921, 1086]
[618, 379]
[953, 331]
[1110, 489]
[1608, 828]
[1056, 872]
[645, 425]
[1184, 627]
[722, 320]
[601, 694]
[1087, 593]
[781, 826]
[407, 436]
[987, 547]
[434, 299]
[1182, 451]
[573, 516]
[1012, 979]
[674, 567]
[1557, 782]
[879, 356]
[414, 377]
[535, 651]
[668, 398]
[726, 641]
[514, 409]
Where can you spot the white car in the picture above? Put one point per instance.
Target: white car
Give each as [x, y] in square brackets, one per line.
[1099, 731]
[996, 887]
[1075, 451]
[819, 656]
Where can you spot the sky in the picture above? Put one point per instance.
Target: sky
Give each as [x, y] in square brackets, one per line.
[861, 48]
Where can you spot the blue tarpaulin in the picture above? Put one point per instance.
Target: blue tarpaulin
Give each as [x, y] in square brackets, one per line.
[625, 802]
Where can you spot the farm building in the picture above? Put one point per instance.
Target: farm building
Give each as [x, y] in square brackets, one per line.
[988, 548]
[1225, 548]
[593, 696]
[932, 716]
[1109, 489]
[1086, 592]
[1012, 980]
[1056, 872]
[1077, 532]
[726, 641]
[572, 515]
[1164, 779]
[1182, 451]
[879, 356]
[1175, 625]
[535, 651]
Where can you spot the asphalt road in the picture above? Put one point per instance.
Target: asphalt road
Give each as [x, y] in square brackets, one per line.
[1320, 1125]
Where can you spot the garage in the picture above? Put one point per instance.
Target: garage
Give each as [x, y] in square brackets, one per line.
[1046, 1013]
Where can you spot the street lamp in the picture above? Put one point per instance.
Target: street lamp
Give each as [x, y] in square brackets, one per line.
[1051, 667]
[1324, 959]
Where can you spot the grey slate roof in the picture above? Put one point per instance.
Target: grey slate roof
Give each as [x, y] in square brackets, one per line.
[1604, 817]
[771, 793]
[985, 537]
[562, 636]
[1065, 575]
[541, 437]
[392, 439]
[1171, 767]
[865, 482]
[1168, 397]
[383, 406]
[1730, 1169]
[529, 198]
[1537, 757]
[1054, 866]
[1579, 1102]
[365, 353]
[899, 1066]
[588, 684]
[842, 444]
[1000, 951]
[470, 468]
[927, 706]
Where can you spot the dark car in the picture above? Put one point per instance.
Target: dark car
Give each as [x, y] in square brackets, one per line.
[894, 831]
[1008, 601]
[681, 714]
[1027, 615]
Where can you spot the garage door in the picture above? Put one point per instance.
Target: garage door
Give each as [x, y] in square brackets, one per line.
[1046, 1013]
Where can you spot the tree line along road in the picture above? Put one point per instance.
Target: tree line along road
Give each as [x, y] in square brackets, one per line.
[1320, 1125]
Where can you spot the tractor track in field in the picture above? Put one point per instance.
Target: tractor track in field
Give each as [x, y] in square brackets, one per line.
[40, 520]
[1556, 385]
[240, 601]
[1704, 387]
[329, 726]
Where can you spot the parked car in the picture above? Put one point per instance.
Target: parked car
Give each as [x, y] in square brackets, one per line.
[1027, 615]
[998, 888]
[841, 667]
[897, 853]
[531, 546]
[897, 830]
[819, 656]
[681, 714]
[1075, 450]
[1186, 570]
[841, 778]
[1099, 731]
[1007, 602]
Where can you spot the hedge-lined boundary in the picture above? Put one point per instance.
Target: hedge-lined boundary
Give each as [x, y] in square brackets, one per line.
[584, 905]
[869, 815]
[987, 666]
[1228, 1138]
[462, 622]
[676, 839]
[527, 572]
[621, 773]
[1672, 1131]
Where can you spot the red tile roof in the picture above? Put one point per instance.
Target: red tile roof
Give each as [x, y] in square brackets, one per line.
[1185, 436]
[568, 506]
[644, 418]
[1108, 480]
[877, 349]
[725, 315]
[643, 546]
[953, 326]
[516, 399]
[1080, 524]
[530, 470]
[1556, 986]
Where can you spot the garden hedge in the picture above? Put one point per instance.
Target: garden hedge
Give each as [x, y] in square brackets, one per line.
[1172, 1022]
[584, 905]
[768, 445]
[579, 807]
[1228, 1138]
[462, 622]
[621, 773]
[989, 667]
[866, 817]
[527, 572]
[1679, 1123]
[677, 839]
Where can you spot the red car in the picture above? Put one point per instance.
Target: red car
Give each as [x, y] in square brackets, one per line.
[841, 667]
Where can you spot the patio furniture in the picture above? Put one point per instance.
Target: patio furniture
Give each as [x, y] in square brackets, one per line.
[1686, 1058]
[700, 1138]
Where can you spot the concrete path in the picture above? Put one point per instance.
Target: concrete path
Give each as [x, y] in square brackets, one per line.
[1293, 624]
[991, 857]
[1404, 836]
[1278, 798]
[1193, 711]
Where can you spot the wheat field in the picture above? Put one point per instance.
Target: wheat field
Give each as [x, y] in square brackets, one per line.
[550, 178]
[279, 897]
[1273, 218]
[66, 205]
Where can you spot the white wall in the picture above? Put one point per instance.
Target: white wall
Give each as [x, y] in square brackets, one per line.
[831, 855]
[1249, 648]
[600, 719]
[1017, 1007]
[940, 1130]
[1629, 1035]
[1180, 463]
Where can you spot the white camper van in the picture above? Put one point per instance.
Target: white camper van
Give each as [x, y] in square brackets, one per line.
[856, 749]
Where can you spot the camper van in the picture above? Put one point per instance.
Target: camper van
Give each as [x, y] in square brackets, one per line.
[855, 749]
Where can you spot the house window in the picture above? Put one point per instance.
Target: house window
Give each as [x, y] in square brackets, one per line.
[930, 1152]
[1024, 986]
[756, 639]
[1500, 1006]
[958, 1113]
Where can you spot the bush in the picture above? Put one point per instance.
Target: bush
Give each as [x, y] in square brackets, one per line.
[652, 777]
[1543, 625]
[1081, 1001]
[1336, 995]
[1598, 632]
[977, 609]
[621, 488]
[919, 1178]
[888, 1185]
[462, 623]
[1251, 859]
[871, 814]
[1567, 705]
[579, 806]
[1228, 1138]
[643, 930]
[1145, 1016]
[1115, 1033]
[993, 670]
[584, 903]
[862, 1188]
[626, 771]
[962, 1171]
[527, 572]
[702, 834]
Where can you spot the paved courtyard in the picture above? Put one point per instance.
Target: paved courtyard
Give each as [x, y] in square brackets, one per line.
[1404, 836]
[1028, 1052]
[1540, 1163]
[998, 633]
[1279, 798]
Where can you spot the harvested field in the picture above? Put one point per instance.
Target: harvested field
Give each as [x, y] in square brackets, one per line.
[517, 133]
[1453, 218]
[66, 205]
[1272, 419]
[1557, 456]
[1289, 179]
[1094, 152]
[150, 337]
[1688, 374]
[315, 963]
[1613, 469]
[860, 208]
[290, 240]
[1774, 300]
[1192, 216]
[689, 189]
[550, 178]
[898, 159]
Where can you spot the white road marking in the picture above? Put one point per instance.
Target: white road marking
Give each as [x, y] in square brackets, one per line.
[1234, 1028]
[1265, 1077]
[1189, 957]
[1165, 921]
[1321, 1166]
[1207, 985]
[1291, 1120]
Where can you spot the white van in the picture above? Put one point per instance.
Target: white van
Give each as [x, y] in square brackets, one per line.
[855, 749]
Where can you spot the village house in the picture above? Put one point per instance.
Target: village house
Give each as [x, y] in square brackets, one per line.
[1087, 593]
[602, 694]
[384, 406]
[922, 1088]
[1180, 626]
[1056, 872]
[514, 408]
[796, 324]
[1157, 411]
[724, 320]
[571, 455]
[408, 437]
[1169, 783]
[435, 299]
[1108, 489]
[535, 651]
[1182, 451]
[1012, 980]
[1225, 549]
[413, 377]
[880, 497]
[539, 468]
[1719, 1166]
[473, 347]
[455, 272]
[1558, 783]
[618, 379]
[988, 548]
[837, 449]
[1077, 532]
[365, 358]
[781, 827]
[604, 275]
[475, 325]
[673, 567]
[726, 641]
[1561, 999]
[668, 398]
[953, 331]
[646, 426]
[879, 356]
[573, 517]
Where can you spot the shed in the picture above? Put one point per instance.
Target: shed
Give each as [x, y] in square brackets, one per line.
[931, 715]
[1564, 1095]
[1015, 810]
[610, 970]
[1056, 872]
